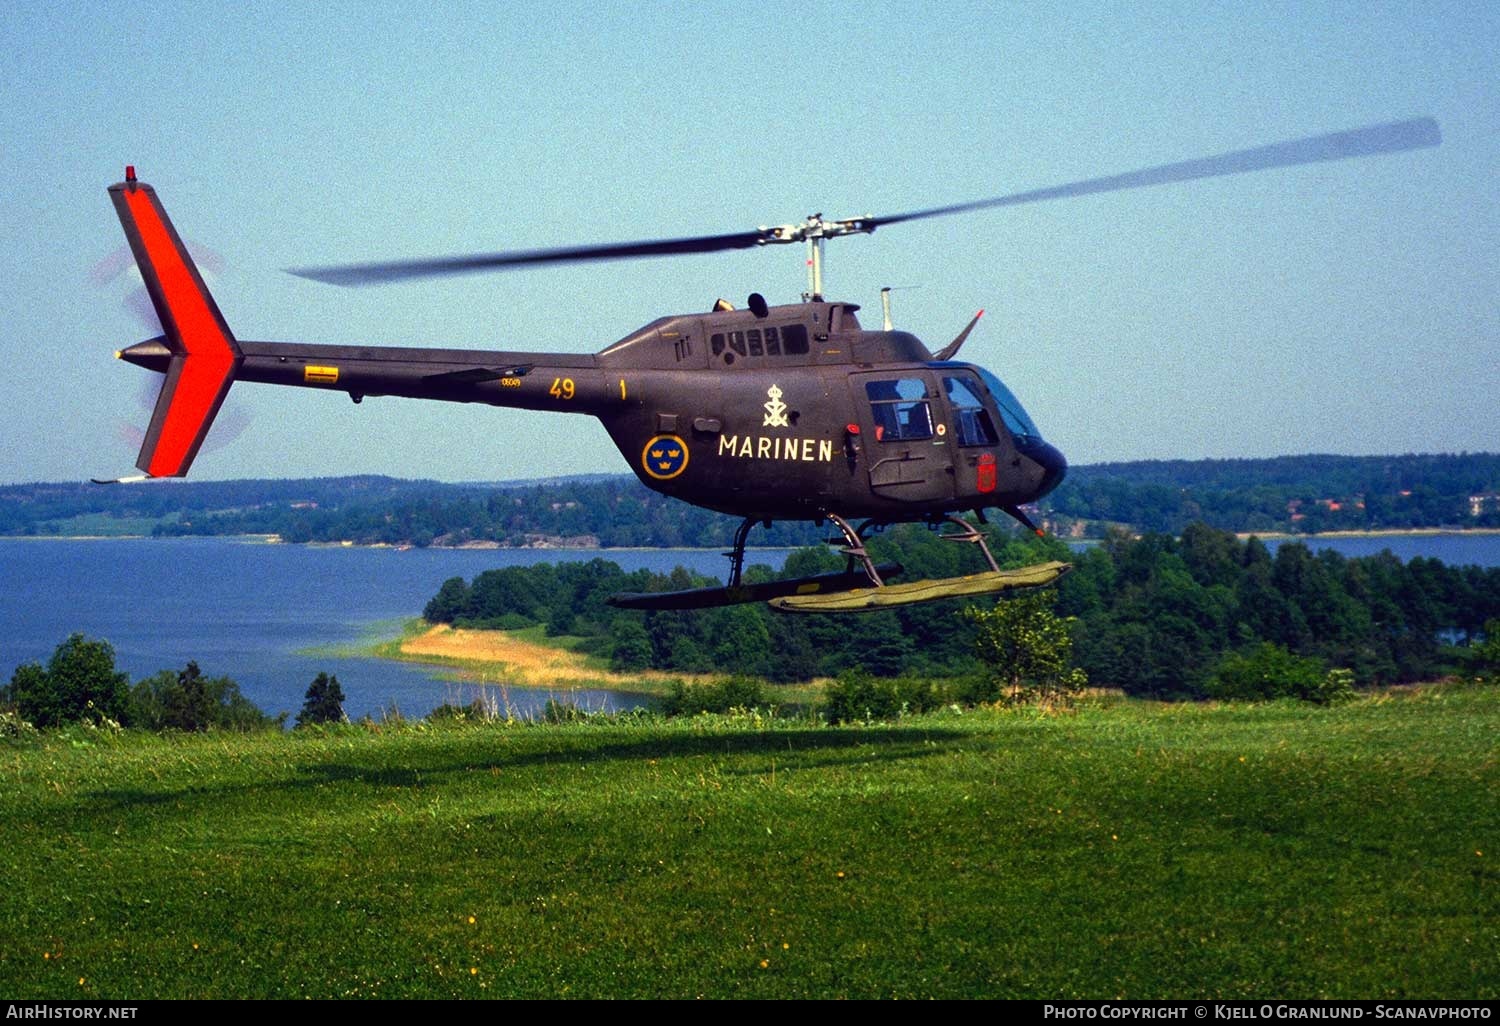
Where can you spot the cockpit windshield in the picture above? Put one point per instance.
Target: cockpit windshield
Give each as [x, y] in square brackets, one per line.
[1011, 411]
[1017, 420]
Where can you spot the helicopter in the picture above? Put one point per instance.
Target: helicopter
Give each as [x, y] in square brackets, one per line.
[788, 412]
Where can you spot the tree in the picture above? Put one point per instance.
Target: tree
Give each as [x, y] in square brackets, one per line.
[1027, 649]
[188, 700]
[450, 603]
[741, 642]
[1266, 671]
[632, 646]
[325, 702]
[80, 682]
[1211, 556]
[855, 695]
[27, 687]
[1485, 655]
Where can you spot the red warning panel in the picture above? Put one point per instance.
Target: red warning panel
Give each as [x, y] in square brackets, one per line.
[985, 473]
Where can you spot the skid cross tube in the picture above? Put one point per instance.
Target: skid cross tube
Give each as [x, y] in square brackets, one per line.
[855, 549]
[967, 532]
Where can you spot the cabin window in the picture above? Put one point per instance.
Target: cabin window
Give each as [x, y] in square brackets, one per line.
[971, 421]
[900, 410]
[780, 340]
[794, 339]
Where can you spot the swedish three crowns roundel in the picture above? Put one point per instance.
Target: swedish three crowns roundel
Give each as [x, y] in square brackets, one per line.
[664, 457]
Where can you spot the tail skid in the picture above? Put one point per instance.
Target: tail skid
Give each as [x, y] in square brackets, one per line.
[204, 355]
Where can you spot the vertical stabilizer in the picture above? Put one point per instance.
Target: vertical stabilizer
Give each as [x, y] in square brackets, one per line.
[204, 355]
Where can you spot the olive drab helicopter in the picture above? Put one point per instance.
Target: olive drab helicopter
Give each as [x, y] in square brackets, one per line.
[793, 412]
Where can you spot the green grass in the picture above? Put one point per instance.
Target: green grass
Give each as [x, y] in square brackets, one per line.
[104, 525]
[1130, 850]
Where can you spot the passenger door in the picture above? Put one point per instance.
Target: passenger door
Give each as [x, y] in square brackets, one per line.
[905, 436]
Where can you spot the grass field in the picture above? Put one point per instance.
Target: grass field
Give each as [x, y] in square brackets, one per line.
[1130, 849]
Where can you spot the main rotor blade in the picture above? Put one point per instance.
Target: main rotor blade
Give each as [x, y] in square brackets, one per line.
[400, 270]
[1360, 142]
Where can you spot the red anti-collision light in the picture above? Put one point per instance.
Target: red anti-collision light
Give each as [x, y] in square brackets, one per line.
[853, 429]
[130, 172]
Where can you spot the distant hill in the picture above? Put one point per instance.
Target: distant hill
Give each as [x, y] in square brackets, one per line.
[1286, 493]
[1298, 494]
[64, 507]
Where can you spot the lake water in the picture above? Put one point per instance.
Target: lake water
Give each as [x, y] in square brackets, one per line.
[1457, 549]
[249, 610]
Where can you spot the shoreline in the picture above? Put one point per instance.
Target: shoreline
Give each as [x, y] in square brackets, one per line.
[524, 658]
[529, 659]
[276, 539]
[1387, 532]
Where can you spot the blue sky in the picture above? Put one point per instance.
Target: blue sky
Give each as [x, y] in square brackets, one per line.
[1344, 308]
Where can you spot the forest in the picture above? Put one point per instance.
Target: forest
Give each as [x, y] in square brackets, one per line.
[1287, 494]
[1154, 615]
[1292, 494]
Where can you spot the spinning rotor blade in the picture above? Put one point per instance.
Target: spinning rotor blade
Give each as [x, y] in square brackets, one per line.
[233, 417]
[399, 270]
[1360, 142]
[1394, 137]
[137, 301]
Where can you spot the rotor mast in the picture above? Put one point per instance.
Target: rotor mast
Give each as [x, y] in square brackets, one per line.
[814, 230]
[814, 291]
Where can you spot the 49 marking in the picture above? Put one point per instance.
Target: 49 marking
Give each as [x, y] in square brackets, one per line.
[562, 388]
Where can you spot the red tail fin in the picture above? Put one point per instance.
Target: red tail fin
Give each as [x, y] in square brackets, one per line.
[204, 353]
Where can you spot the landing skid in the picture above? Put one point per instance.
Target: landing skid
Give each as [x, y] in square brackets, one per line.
[860, 587]
[864, 600]
[709, 598]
